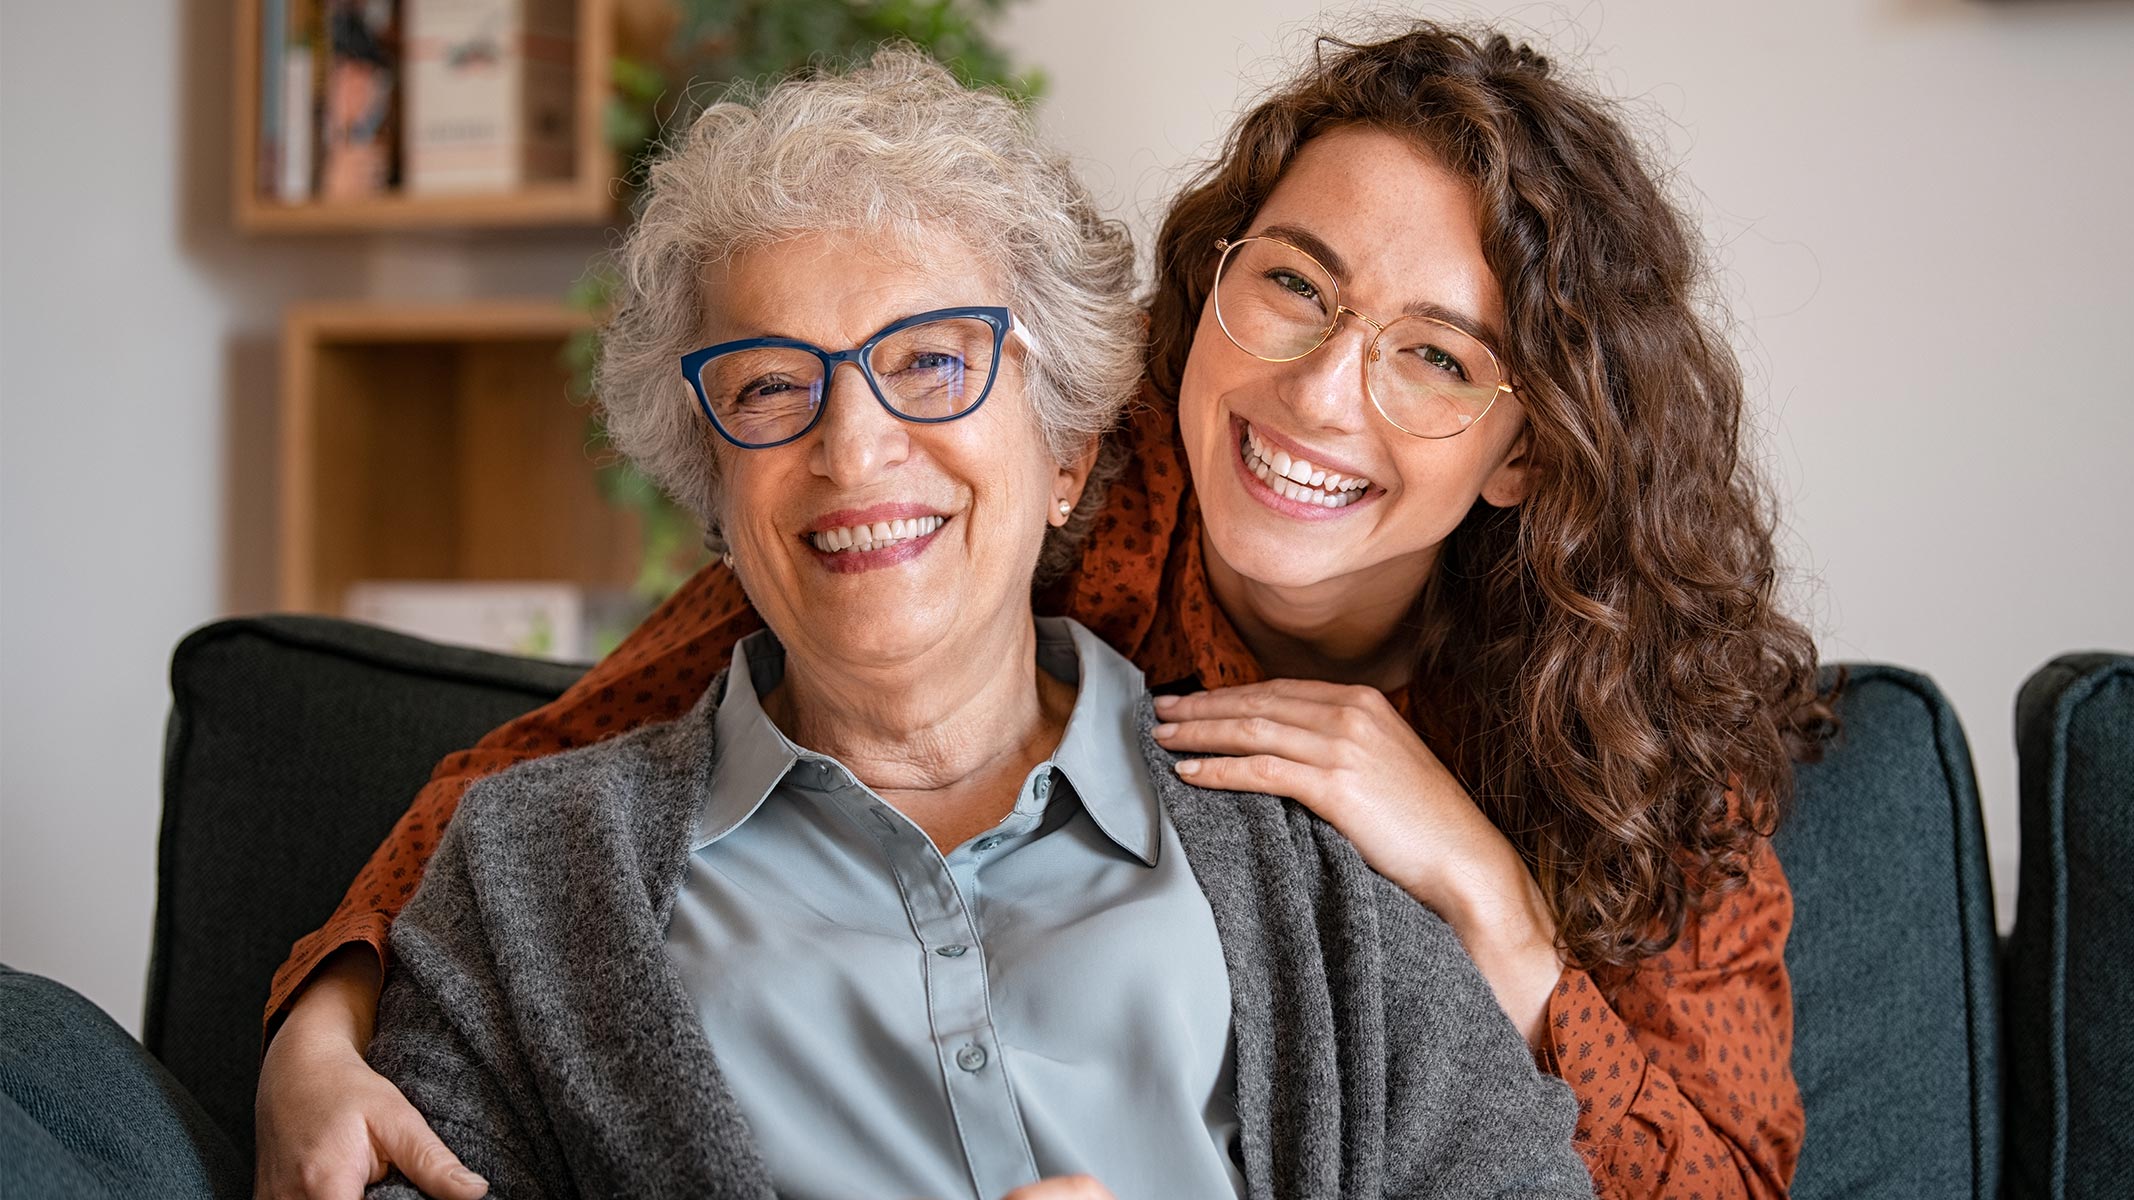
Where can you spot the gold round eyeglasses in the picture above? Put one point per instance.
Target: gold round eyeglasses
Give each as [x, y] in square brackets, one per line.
[1425, 376]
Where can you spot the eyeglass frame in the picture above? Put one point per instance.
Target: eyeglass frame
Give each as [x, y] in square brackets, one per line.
[1215, 291]
[998, 318]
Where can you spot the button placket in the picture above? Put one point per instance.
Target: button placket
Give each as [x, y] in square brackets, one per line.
[981, 1098]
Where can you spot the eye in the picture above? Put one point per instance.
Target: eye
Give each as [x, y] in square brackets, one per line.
[1439, 359]
[764, 389]
[933, 360]
[1290, 281]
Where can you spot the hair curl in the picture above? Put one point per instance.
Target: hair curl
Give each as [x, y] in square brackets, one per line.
[1623, 697]
[895, 147]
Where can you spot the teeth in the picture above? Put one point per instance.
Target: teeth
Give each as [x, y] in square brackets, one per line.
[1297, 479]
[875, 536]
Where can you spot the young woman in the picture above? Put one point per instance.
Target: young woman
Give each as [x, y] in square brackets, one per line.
[1469, 564]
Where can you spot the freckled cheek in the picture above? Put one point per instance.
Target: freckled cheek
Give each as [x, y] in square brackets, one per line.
[1201, 420]
[1431, 498]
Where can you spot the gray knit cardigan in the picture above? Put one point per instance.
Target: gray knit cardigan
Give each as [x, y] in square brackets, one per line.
[534, 1019]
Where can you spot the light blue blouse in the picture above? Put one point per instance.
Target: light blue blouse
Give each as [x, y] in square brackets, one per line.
[1048, 998]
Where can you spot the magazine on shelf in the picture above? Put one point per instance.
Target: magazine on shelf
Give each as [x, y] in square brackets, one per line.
[358, 109]
[540, 619]
[491, 93]
[292, 92]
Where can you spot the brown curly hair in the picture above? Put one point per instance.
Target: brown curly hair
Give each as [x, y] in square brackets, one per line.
[1625, 701]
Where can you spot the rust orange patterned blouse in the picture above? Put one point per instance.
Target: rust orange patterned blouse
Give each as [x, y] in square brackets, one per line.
[1681, 1071]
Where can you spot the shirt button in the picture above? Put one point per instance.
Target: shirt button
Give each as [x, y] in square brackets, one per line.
[984, 844]
[952, 951]
[971, 1058]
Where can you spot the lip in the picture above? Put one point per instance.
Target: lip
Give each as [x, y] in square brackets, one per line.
[1279, 502]
[856, 562]
[1296, 449]
[892, 510]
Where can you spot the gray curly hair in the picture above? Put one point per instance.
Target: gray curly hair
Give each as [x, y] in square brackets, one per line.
[888, 146]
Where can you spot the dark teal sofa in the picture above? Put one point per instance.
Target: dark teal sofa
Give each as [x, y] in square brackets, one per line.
[295, 742]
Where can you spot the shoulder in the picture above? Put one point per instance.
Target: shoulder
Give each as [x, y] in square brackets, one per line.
[616, 781]
[1747, 923]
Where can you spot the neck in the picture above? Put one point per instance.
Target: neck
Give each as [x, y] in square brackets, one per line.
[955, 713]
[1351, 629]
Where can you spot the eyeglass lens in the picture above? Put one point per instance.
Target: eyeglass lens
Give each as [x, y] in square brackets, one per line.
[1429, 378]
[930, 372]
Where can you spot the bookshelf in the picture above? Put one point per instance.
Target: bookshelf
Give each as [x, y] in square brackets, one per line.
[437, 442]
[586, 198]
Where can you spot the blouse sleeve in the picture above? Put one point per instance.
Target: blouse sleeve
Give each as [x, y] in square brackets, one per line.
[1683, 1076]
[654, 675]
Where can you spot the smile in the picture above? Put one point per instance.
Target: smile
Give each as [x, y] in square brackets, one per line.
[854, 541]
[859, 539]
[1297, 479]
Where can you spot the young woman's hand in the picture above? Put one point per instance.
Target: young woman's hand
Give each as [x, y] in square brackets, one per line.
[328, 1124]
[1346, 754]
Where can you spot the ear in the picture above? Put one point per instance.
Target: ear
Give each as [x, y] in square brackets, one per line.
[1069, 480]
[1512, 479]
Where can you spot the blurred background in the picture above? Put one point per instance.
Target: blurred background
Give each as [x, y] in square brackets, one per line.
[275, 335]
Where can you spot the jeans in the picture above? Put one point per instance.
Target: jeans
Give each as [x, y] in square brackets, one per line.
[85, 1111]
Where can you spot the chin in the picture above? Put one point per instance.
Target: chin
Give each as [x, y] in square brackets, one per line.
[1273, 557]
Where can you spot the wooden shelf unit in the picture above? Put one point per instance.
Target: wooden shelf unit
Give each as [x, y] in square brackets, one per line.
[588, 198]
[438, 442]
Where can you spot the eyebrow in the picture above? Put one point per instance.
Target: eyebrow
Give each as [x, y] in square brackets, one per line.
[1314, 245]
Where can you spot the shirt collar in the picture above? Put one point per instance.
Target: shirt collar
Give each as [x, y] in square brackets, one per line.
[753, 754]
[1099, 754]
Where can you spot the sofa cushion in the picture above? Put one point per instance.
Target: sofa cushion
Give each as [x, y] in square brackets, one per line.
[294, 744]
[1892, 953]
[2070, 982]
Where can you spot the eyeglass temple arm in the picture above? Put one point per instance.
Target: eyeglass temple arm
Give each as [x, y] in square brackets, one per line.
[1021, 332]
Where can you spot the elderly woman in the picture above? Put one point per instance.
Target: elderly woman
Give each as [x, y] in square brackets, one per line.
[910, 902]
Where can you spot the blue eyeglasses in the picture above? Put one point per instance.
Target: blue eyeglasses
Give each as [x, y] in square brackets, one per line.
[929, 368]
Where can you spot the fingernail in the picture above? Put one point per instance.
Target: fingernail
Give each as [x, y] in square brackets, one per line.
[463, 1175]
[1164, 730]
[1190, 766]
[1166, 701]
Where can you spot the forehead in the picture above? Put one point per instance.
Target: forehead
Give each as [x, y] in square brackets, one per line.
[1404, 226]
[837, 289]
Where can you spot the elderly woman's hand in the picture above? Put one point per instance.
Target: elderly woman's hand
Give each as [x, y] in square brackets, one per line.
[328, 1124]
[1346, 754]
[1062, 1187]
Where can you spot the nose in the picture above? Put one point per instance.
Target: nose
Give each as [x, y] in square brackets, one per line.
[857, 438]
[1325, 387]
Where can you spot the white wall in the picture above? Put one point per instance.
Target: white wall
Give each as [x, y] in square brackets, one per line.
[1919, 204]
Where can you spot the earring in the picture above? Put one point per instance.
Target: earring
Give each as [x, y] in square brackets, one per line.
[727, 559]
[1066, 507]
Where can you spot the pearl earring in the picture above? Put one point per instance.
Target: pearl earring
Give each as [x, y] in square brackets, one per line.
[727, 559]
[1066, 508]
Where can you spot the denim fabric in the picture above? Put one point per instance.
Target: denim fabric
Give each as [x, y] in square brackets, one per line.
[2070, 982]
[1892, 954]
[294, 744]
[85, 1112]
